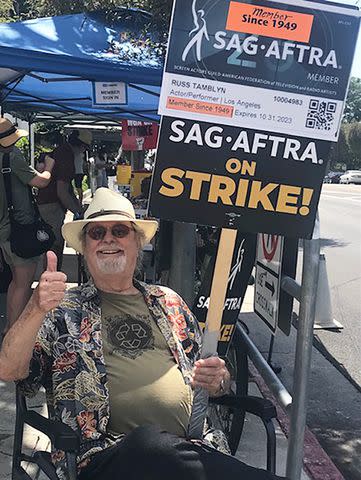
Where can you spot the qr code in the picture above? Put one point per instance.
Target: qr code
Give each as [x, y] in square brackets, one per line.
[321, 114]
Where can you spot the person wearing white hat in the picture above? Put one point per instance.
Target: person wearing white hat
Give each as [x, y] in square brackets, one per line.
[59, 196]
[22, 176]
[120, 358]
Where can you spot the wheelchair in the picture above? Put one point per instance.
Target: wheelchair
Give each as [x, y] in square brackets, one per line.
[226, 412]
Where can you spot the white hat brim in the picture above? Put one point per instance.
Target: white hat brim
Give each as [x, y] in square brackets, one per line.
[72, 230]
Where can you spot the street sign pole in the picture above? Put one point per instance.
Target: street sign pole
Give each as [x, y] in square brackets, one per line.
[303, 354]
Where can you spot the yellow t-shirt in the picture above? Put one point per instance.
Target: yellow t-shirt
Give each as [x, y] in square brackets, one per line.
[145, 384]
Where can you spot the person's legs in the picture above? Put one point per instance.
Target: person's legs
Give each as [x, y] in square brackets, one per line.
[54, 215]
[79, 186]
[19, 291]
[217, 465]
[105, 179]
[148, 453]
[80, 195]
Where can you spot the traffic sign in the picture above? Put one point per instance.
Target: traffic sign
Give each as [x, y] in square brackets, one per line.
[268, 278]
[276, 257]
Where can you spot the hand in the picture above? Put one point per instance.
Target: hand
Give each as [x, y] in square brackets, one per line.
[49, 163]
[52, 284]
[211, 373]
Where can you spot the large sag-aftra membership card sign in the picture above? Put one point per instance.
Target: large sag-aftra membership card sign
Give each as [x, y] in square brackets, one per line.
[292, 60]
[252, 99]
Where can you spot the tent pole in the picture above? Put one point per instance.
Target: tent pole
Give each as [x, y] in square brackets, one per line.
[31, 143]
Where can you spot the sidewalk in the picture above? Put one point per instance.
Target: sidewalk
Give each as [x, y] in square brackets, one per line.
[317, 463]
[252, 445]
[252, 449]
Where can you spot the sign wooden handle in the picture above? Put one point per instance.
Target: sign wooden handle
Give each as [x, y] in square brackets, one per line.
[222, 268]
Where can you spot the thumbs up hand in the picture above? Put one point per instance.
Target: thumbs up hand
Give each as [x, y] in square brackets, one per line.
[52, 284]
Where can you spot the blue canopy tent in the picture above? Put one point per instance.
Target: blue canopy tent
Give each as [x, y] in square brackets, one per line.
[60, 100]
[47, 67]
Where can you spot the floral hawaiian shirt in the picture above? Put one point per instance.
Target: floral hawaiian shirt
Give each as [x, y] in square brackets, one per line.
[68, 361]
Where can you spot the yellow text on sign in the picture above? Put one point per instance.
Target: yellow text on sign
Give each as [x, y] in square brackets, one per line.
[248, 193]
[225, 333]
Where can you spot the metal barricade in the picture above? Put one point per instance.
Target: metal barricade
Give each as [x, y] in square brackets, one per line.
[295, 406]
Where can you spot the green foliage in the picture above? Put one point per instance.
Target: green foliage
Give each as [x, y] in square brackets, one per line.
[354, 141]
[21, 9]
[340, 154]
[352, 111]
[347, 151]
[48, 135]
[6, 9]
[23, 145]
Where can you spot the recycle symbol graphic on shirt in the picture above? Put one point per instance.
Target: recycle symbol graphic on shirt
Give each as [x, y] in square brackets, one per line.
[130, 335]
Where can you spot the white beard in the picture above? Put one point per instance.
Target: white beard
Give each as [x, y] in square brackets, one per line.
[112, 265]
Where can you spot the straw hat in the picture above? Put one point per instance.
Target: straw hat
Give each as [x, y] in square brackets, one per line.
[107, 206]
[9, 134]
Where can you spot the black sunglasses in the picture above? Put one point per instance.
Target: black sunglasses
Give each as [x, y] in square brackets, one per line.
[98, 232]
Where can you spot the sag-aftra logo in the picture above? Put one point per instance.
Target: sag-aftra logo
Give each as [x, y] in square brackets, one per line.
[260, 22]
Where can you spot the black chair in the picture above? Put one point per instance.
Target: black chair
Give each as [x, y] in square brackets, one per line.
[60, 435]
[225, 412]
[228, 412]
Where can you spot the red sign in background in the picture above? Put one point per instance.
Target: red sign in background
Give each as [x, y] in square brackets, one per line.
[270, 248]
[139, 135]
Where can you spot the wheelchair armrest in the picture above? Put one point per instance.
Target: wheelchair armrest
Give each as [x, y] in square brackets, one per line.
[261, 407]
[61, 435]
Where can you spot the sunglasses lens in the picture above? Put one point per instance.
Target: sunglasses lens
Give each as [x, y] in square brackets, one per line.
[96, 233]
[120, 231]
[99, 232]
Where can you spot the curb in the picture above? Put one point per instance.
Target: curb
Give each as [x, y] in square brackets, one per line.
[316, 463]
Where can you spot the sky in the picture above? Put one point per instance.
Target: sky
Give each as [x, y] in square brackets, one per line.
[356, 67]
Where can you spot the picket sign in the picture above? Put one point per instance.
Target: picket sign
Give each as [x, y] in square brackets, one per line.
[211, 335]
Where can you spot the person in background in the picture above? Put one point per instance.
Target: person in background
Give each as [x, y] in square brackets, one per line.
[79, 174]
[100, 169]
[141, 201]
[59, 196]
[22, 176]
[121, 359]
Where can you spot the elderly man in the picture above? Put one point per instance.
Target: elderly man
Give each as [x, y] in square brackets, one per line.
[119, 358]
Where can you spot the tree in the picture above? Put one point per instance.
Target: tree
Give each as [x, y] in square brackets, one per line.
[26, 9]
[352, 111]
[341, 154]
[6, 8]
[354, 141]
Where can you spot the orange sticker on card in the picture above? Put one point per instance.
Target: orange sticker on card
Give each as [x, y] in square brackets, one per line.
[199, 107]
[269, 22]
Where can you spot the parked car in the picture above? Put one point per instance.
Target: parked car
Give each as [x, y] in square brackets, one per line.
[333, 177]
[351, 176]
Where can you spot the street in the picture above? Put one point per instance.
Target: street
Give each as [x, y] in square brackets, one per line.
[335, 382]
[340, 220]
[335, 397]
[334, 403]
